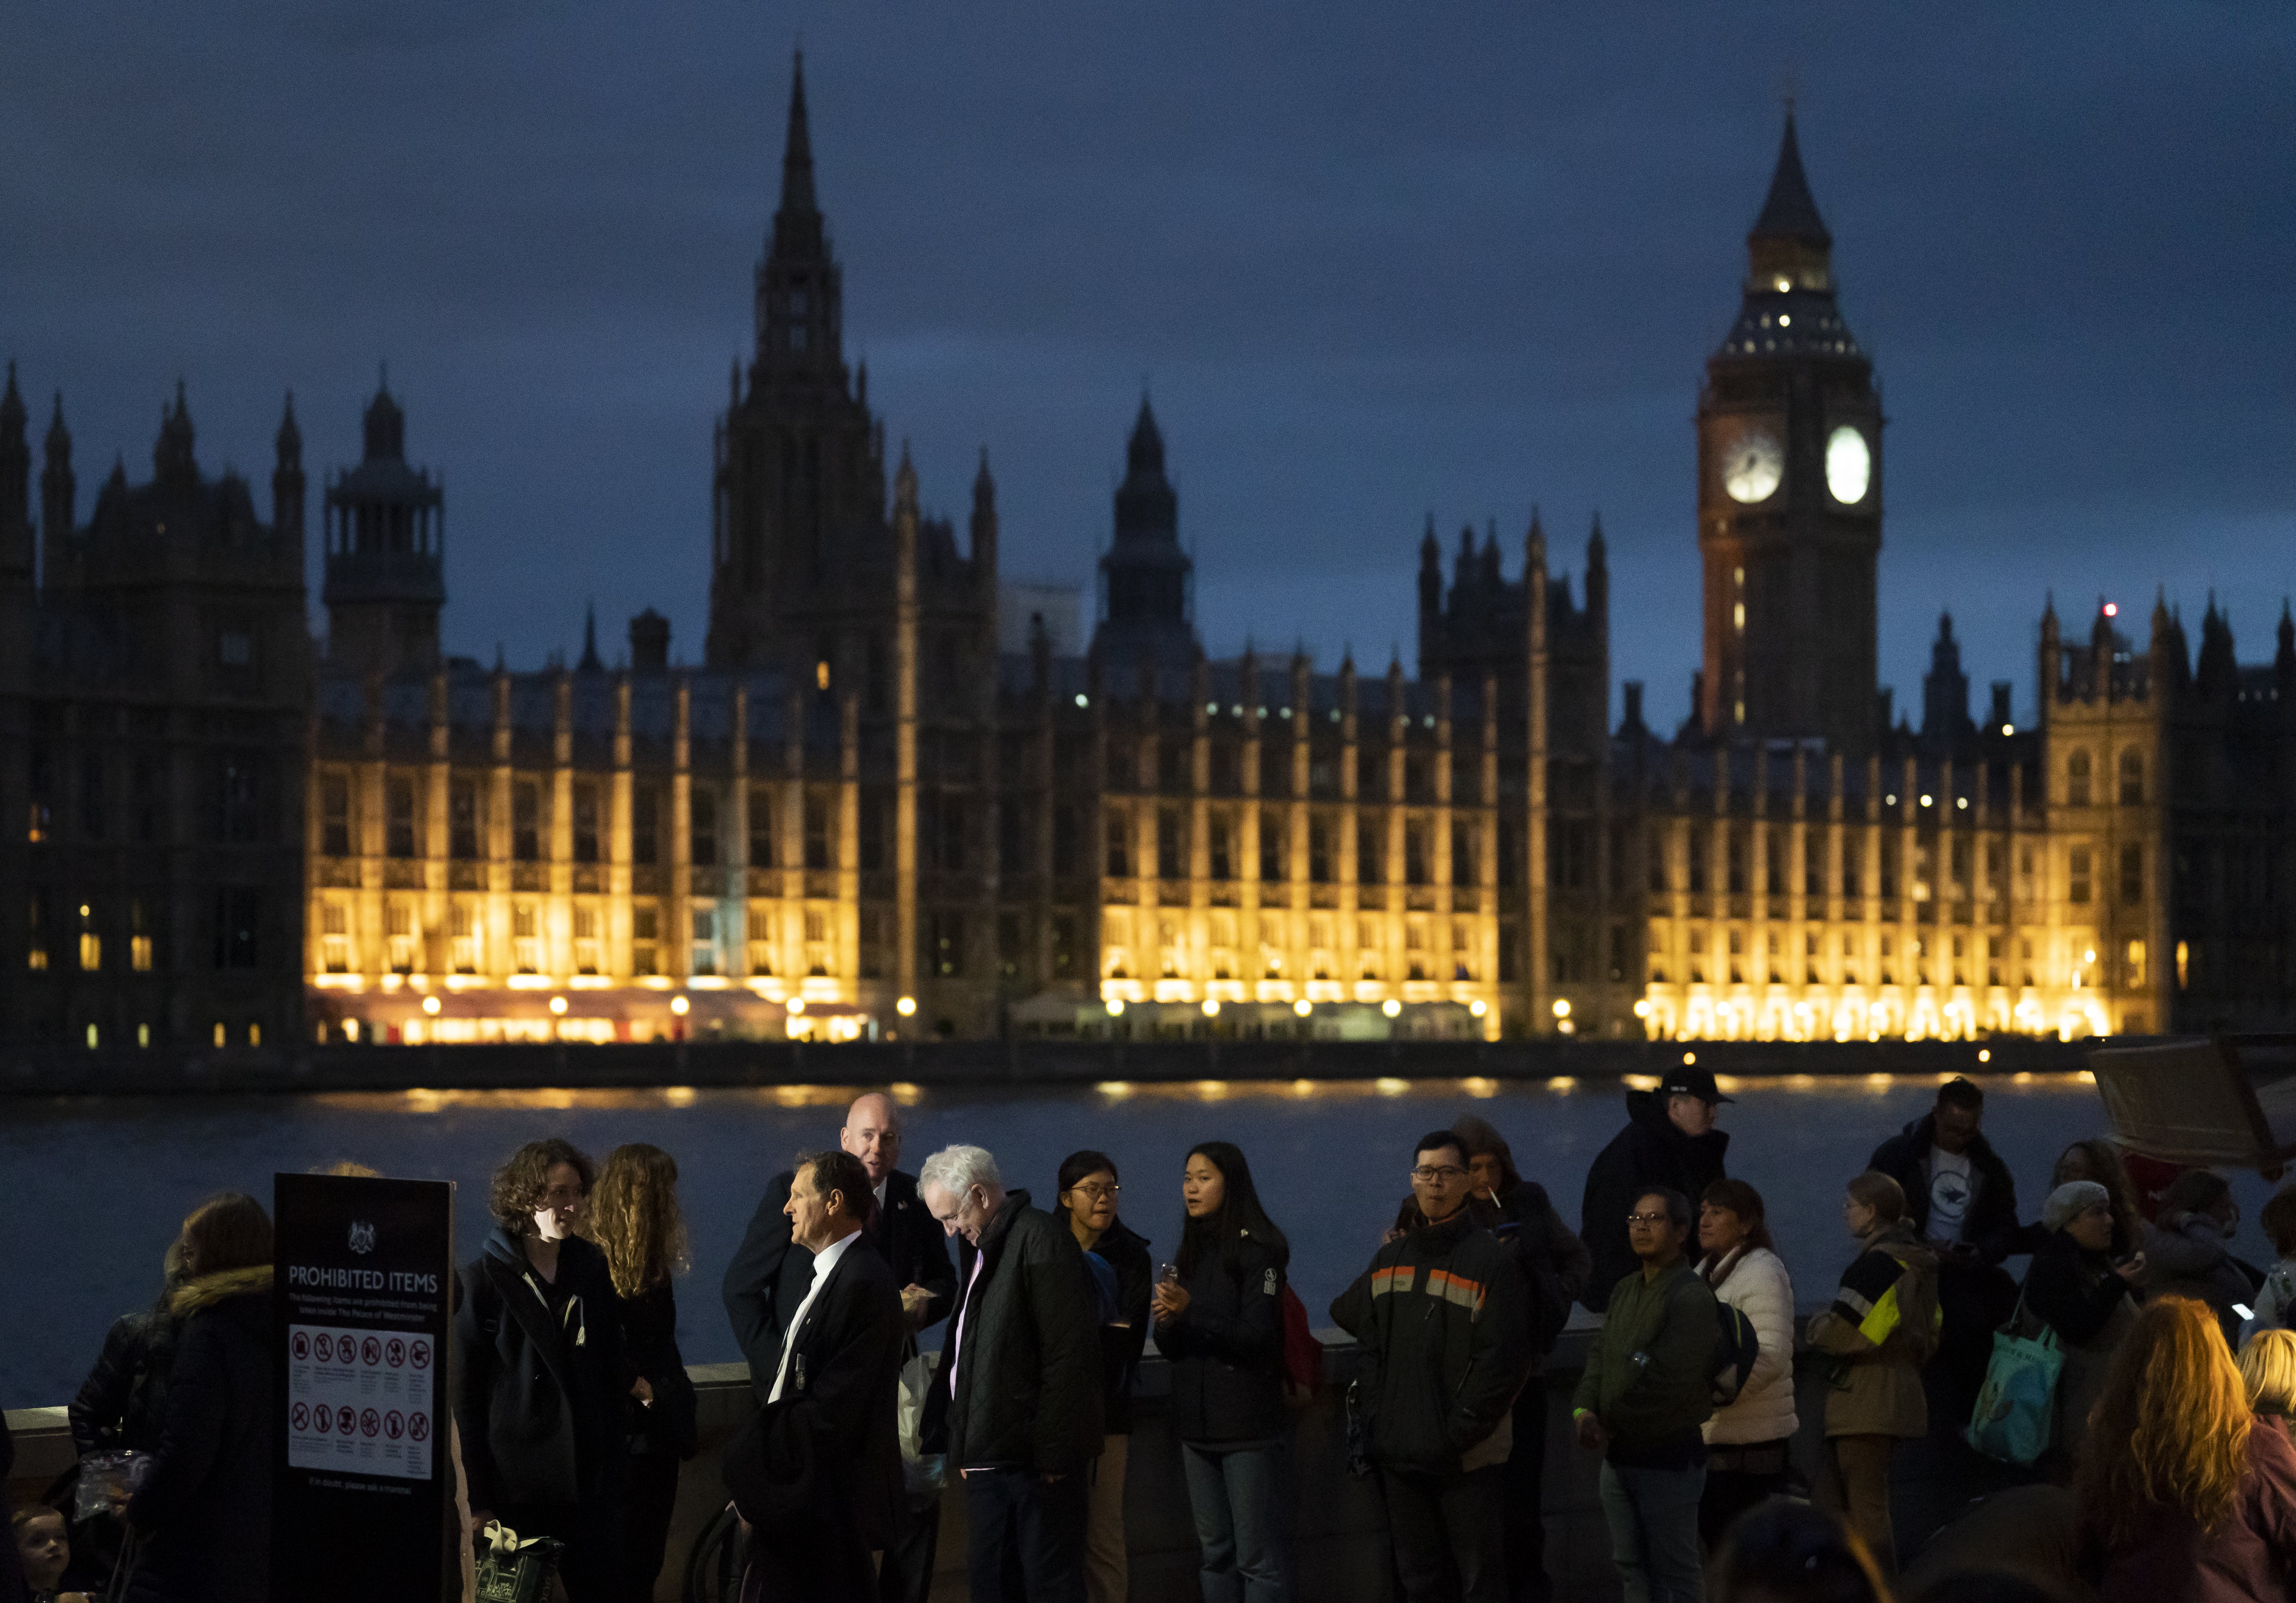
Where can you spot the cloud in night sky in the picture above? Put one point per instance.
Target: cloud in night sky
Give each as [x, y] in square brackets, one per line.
[1373, 263]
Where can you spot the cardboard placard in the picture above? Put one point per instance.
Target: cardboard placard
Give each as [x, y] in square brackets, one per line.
[363, 1490]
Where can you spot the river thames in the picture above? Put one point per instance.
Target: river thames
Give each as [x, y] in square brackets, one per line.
[99, 1186]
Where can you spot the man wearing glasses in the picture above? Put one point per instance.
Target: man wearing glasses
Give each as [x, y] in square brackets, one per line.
[1647, 1389]
[1442, 1326]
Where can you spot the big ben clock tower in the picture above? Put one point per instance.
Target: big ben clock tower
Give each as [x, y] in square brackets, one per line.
[1789, 493]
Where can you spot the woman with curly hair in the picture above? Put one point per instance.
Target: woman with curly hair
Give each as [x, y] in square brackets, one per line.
[538, 1400]
[2182, 1496]
[634, 1219]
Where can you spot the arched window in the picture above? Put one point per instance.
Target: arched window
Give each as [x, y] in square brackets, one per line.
[2132, 778]
[2077, 777]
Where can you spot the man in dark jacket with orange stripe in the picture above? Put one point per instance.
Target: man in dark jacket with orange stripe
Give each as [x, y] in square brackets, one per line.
[1442, 1326]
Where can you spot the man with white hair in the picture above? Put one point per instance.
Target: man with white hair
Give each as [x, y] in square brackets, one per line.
[771, 1273]
[1018, 1387]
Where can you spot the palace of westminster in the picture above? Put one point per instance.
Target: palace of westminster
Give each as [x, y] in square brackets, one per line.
[894, 802]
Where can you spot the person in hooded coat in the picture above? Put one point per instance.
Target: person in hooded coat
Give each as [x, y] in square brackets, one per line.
[203, 1510]
[2187, 1248]
[1670, 1144]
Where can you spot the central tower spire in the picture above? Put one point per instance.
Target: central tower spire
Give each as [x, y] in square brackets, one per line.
[800, 316]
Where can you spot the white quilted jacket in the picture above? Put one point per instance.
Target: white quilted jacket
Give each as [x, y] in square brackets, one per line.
[1764, 1411]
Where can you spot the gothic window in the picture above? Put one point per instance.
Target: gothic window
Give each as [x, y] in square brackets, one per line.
[1371, 855]
[2077, 777]
[1172, 764]
[399, 936]
[526, 821]
[645, 827]
[148, 787]
[240, 810]
[2132, 875]
[1773, 863]
[1012, 853]
[238, 923]
[585, 939]
[1462, 852]
[586, 822]
[1064, 838]
[817, 835]
[525, 939]
[1737, 863]
[1813, 864]
[399, 815]
[1414, 851]
[463, 818]
[705, 940]
[1064, 946]
[2077, 891]
[645, 937]
[1697, 861]
[335, 938]
[1853, 866]
[1120, 845]
[873, 834]
[139, 934]
[91, 795]
[1222, 846]
[702, 812]
[1271, 847]
[335, 816]
[1654, 859]
[1170, 859]
[1320, 867]
[2132, 778]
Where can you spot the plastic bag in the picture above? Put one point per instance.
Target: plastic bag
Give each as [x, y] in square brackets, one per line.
[107, 1480]
[922, 1474]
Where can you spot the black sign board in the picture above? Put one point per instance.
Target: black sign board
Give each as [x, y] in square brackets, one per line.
[363, 1491]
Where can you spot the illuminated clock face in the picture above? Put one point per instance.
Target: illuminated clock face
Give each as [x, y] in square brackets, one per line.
[1849, 465]
[1754, 466]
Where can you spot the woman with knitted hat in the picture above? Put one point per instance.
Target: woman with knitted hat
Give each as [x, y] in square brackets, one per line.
[2075, 1289]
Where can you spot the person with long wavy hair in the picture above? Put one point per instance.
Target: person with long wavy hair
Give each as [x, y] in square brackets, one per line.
[634, 1219]
[2182, 1496]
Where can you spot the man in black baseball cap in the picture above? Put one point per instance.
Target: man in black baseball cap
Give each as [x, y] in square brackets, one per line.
[1669, 1143]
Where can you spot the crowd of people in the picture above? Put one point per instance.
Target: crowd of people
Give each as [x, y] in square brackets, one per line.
[2167, 1471]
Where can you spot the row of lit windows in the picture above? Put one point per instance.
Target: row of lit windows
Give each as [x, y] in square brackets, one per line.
[65, 933]
[466, 945]
[1165, 938]
[1923, 958]
[467, 815]
[1125, 854]
[1960, 857]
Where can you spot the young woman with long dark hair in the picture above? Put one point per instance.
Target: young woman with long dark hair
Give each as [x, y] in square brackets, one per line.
[634, 1219]
[1219, 1320]
[1748, 1438]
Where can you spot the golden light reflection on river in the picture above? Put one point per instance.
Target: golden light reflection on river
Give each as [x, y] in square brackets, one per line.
[557, 1098]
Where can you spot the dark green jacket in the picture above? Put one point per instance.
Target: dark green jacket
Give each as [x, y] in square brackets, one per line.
[1651, 1375]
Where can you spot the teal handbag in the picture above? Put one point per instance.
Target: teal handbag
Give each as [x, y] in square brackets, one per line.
[2017, 1406]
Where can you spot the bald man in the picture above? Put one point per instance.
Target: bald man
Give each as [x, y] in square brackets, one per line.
[771, 1273]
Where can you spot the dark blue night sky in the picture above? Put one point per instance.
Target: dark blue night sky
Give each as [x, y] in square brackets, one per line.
[1374, 262]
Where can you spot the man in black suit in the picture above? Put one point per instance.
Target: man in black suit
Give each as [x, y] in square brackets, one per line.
[770, 1272]
[818, 1474]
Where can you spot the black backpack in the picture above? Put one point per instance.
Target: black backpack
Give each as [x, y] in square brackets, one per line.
[1735, 1349]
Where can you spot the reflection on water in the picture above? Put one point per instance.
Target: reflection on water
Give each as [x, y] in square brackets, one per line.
[98, 1186]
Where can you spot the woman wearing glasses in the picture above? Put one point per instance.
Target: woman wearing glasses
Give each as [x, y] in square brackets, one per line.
[1219, 1320]
[1087, 1202]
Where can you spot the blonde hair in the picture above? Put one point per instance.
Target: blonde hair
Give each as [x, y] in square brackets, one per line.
[2267, 1363]
[2171, 1429]
[634, 1219]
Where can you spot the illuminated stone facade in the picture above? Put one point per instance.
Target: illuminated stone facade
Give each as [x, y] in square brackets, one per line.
[858, 817]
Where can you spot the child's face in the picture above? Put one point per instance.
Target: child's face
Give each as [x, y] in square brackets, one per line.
[46, 1551]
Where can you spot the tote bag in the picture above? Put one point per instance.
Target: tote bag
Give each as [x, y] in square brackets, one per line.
[2016, 1407]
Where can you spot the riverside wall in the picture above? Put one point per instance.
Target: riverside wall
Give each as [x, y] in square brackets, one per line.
[958, 1064]
[1339, 1528]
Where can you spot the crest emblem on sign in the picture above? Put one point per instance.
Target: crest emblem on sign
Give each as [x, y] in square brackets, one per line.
[361, 1237]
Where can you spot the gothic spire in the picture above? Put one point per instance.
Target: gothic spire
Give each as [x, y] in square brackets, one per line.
[590, 664]
[12, 408]
[1789, 212]
[288, 441]
[797, 225]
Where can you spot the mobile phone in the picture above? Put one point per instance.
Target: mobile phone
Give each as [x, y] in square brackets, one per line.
[2243, 1310]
